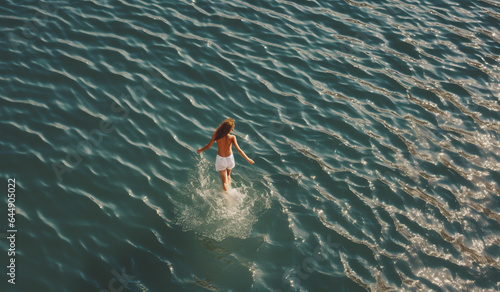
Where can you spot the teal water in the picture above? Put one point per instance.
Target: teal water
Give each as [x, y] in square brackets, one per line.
[374, 127]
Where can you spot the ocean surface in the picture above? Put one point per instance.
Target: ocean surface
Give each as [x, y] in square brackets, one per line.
[374, 127]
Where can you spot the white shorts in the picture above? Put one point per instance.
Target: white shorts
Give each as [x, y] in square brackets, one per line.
[222, 163]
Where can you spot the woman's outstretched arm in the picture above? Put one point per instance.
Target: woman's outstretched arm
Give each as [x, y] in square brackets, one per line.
[208, 145]
[241, 151]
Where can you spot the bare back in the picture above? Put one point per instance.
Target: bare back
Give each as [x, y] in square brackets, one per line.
[224, 145]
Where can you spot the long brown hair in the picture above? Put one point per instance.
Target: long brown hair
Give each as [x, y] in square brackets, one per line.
[224, 129]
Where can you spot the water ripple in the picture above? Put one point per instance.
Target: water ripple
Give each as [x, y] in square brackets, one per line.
[373, 125]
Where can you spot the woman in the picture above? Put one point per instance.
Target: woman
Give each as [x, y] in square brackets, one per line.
[224, 161]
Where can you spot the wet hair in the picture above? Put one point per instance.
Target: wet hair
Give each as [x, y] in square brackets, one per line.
[224, 129]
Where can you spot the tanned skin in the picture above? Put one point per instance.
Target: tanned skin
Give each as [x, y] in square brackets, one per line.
[224, 150]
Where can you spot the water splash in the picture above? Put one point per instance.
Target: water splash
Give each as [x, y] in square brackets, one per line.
[206, 209]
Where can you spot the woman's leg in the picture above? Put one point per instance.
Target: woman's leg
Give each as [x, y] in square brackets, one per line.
[223, 175]
[228, 175]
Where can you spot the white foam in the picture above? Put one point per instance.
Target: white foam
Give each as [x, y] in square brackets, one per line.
[209, 211]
